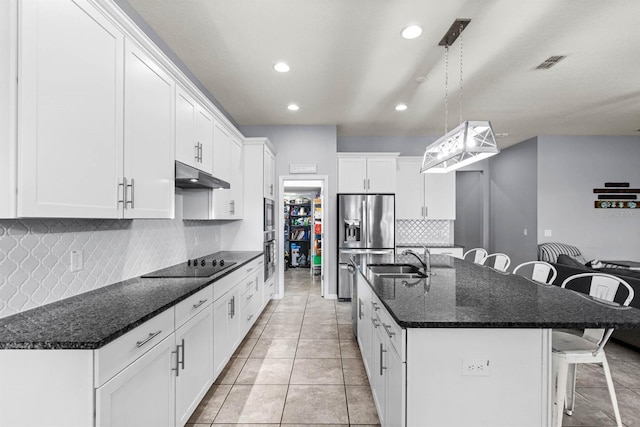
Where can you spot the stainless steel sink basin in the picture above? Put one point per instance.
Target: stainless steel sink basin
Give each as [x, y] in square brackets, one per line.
[396, 270]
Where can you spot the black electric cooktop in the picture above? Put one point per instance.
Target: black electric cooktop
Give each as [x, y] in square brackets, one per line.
[192, 268]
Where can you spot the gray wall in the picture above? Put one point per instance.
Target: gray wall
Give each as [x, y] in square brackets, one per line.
[569, 168]
[469, 223]
[309, 144]
[513, 202]
[405, 145]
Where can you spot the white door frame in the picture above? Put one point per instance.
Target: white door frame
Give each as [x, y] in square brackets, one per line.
[326, 209]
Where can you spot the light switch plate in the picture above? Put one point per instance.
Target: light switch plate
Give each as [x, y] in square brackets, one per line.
[525, 232]
[476, 367]
[547, 233]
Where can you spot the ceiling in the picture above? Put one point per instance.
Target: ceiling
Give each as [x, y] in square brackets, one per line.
[350, 66]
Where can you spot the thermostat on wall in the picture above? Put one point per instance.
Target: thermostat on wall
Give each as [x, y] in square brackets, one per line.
[303, 168]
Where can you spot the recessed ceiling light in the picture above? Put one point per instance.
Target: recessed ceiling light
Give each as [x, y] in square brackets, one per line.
[411, 32]
[293, 107]
[401, 107]
[281, 67]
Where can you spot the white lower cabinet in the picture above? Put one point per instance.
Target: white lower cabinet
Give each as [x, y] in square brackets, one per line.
[143, 393]
[378, 337]
[226, 328]
[194, 376]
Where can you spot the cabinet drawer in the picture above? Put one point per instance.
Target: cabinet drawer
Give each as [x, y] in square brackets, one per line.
[118, 354]
[248, 315]
[193, 305]
[270, 289]
[223, 285]
[393, 331]
[249, 284]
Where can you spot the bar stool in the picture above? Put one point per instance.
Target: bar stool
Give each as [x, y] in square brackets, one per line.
[478, 255]
[569, 350]
[500, 261]
[542, 272]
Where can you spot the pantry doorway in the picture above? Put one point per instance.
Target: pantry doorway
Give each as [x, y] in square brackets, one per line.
[302, 230]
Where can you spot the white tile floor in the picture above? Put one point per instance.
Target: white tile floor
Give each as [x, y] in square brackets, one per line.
[300, 365]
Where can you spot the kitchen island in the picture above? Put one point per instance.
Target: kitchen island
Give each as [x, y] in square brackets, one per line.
[467, 345]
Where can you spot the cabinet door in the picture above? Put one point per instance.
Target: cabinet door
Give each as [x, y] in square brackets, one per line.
[204, 137]
[410, 191]
[395, 392]
[221, 152]
[381, 175]
[237, 179]
[365, 325]
[352, 175]
[195, 339]
[70, 111]
[187, 148]
[379, 372]
[8, 102]
[143, 393]
[440, 195]
[269, 174]
[148, 137]
[226, 328]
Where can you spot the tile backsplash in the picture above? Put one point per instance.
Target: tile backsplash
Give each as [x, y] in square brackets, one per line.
[410, 231]
[35, 254]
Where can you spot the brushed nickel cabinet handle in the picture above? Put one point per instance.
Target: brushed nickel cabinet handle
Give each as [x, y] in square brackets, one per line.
[182, 362]
[199, 303]
[382, 351]
[388, 329]
[151, 336]
[122, 185]
[177, 368]
[132, 186]
[197, 151]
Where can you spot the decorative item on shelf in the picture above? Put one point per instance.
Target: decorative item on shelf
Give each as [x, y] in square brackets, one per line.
[617, 195]
[471, 141]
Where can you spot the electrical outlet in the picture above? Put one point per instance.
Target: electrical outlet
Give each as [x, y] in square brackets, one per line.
[476, 367]
[196, 241]
[77, 262]
[525, 232]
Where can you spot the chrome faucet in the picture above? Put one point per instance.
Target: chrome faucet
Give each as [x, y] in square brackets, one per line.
[425, 261]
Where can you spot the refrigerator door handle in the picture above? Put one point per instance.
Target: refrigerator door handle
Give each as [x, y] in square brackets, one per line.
[365, 223]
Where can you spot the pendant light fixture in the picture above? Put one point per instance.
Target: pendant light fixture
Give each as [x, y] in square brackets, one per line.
[472, 140]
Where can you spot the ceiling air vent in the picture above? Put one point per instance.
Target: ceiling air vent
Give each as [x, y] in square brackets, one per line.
[550, 62]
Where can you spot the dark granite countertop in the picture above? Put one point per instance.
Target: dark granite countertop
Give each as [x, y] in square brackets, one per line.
[93, 319]
[460, 294]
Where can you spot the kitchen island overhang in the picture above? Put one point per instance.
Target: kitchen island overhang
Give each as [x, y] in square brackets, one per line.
[464, 314]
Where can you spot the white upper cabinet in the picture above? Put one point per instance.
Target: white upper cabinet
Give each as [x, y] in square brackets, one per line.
[204, 138]
[70, 111]
[269, 174]
[424, 196]
[194, 132]
[221, 152]
[367, 173]
[148, 137]
[237, 178]
[8, 101]
[95, 118]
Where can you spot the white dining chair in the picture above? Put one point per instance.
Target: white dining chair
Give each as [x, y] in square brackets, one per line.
[476, 255]
[498, 261]
[541, 271]
[569, 350]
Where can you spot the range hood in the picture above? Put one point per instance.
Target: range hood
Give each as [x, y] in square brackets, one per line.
[190, 177]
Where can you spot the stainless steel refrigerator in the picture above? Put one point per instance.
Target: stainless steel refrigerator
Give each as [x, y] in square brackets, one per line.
[366, 226]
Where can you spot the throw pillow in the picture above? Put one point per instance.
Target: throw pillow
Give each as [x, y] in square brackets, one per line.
[569, 261]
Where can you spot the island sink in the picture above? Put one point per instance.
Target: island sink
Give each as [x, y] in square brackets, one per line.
[396, 270]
